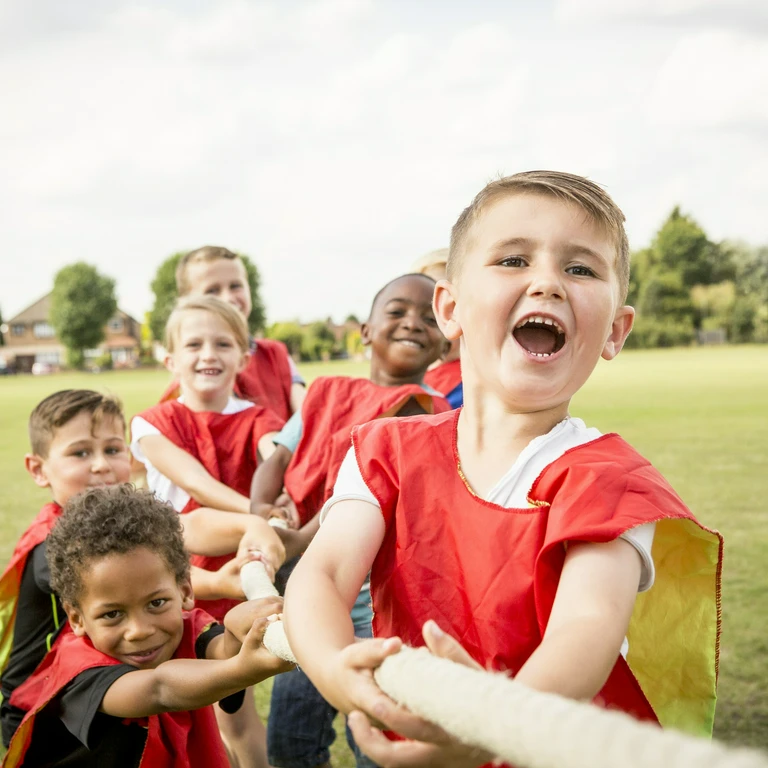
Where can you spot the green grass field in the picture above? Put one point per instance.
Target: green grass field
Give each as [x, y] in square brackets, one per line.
[701, 416]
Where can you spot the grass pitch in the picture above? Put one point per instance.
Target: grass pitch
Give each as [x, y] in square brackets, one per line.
[700, 414]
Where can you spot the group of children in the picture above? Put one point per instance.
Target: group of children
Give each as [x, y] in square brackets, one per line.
[523, 541]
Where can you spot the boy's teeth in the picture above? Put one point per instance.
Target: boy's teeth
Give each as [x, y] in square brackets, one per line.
[541, 320]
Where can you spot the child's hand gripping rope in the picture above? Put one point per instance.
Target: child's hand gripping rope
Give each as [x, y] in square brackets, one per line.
[491, 712]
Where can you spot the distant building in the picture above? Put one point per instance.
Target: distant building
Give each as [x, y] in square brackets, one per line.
[31, 339]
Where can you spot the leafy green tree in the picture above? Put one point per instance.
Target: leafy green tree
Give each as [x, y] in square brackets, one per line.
[164, 288]
[682, 246]
[318, 341]
[81, 304]
[663, 296]
[289, 333]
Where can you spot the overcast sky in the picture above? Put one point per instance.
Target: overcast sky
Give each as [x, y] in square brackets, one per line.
[334, 141]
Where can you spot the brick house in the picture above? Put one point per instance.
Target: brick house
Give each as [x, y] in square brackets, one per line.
[30, 339]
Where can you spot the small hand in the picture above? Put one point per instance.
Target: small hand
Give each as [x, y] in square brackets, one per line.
[257, 661]
[227, 579]
[428, 745]
[239, 619]
[285, 508]
[294, 541]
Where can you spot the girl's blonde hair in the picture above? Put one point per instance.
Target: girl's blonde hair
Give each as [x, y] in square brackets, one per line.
[231, 316]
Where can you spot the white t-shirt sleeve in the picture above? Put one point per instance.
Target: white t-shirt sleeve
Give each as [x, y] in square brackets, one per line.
[641, 538]
[140, 428]
[349, 485]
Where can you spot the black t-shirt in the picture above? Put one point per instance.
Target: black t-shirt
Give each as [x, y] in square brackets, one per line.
[37, 614]
[71, 731]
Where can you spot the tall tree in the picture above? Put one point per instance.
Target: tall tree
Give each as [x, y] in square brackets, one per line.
[81, 304]
[164, 288]
[682, 246]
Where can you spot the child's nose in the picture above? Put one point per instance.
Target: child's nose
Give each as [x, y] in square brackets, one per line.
[137, 629]
[99, 462]
[547, 283]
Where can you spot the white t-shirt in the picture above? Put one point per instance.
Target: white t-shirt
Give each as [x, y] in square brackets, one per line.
[162, 487]
[513, 488]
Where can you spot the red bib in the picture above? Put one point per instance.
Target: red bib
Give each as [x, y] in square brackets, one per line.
[174, 739]
[488, 574]
[10, 581]
[445, 377]
[266, 380]
[226, 445]
[333, 405]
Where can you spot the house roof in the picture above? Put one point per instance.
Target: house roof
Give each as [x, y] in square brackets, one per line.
[37, 312]
[40, 311]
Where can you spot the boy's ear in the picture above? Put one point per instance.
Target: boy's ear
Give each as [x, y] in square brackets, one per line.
[187, 596]
[446, 309]
[365, 334]
[35, 466]
[75, 619]
[168, 363]
[622, 325]
[243, 362]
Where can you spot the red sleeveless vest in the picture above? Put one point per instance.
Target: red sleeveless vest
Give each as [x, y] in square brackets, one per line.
[174, 739]
[226, 445]
[444, 377]
[488, 575]
[333, 405]
[10, 581]
[266, 380]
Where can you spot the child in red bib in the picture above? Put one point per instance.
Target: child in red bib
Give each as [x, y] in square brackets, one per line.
[200, 452]
[78, 441]
[131, 681]
[404, 339]
[269, 377]
[515, 527]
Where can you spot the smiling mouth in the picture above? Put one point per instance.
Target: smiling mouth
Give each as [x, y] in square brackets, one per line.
[142, 657]
[209, 371]
[410, 343]
[540, 336]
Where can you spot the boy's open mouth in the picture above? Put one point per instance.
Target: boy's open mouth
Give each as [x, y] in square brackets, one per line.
[541, 336]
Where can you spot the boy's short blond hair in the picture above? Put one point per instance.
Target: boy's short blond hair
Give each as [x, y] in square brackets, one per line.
[568, 187]
[431, 263]
[60, 408]
[206, 253]
[229, 314]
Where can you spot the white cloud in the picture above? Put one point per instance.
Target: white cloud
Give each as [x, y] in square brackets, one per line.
[712, 79]
[661, 10]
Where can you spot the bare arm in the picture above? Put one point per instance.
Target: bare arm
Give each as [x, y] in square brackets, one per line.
[267, 483]
[218, 585]
[213, 532]
[298, 393]
[188, 473]
[183, 684]
[589, 620]
[297, 541]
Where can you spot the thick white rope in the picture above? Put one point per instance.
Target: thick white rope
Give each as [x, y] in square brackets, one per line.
[524, 727]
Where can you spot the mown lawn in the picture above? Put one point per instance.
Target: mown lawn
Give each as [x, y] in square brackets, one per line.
[701, 415]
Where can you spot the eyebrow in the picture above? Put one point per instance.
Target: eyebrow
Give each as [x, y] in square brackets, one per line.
[150, 596]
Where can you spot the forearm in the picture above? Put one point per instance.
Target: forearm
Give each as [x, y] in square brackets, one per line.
[318, 626]
[213, 532]
[573, 661]
[209, 492]
[267, 483]
[181, 684]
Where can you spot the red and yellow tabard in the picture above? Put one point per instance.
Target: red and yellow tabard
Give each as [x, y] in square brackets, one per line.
[332, 407]
[174, 739]
[227, 446]
[10, 581]
[489, 574]
[266, 380]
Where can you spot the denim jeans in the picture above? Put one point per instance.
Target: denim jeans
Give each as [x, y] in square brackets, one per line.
[300, 726]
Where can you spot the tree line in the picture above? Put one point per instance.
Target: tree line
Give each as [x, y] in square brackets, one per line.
[684, 286]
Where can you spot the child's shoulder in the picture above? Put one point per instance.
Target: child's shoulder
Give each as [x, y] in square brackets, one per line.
[402, 429]
[36, 532]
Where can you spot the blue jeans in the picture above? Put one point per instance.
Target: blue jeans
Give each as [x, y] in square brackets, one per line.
[300, 726]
